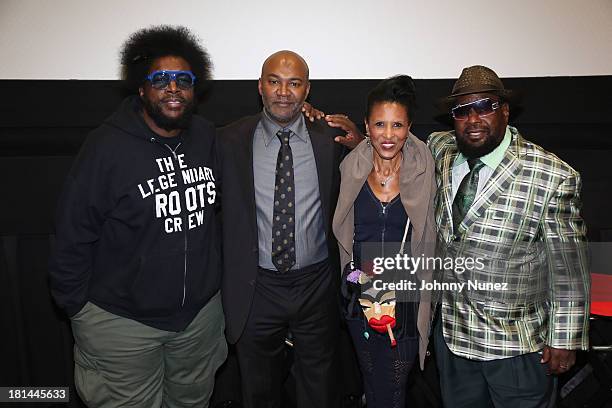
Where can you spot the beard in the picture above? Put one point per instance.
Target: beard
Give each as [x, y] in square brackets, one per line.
[168, 123]
[281, 116]
[474, 151]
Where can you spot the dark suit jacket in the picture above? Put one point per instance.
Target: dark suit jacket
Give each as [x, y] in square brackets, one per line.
[240, 241]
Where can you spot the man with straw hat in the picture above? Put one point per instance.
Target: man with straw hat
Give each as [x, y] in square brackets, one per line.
[515, 208]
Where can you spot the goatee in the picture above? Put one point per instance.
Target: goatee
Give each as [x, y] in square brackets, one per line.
[472, 152]
[164, 122]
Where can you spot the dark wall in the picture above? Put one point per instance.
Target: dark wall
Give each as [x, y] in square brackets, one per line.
[43, 123]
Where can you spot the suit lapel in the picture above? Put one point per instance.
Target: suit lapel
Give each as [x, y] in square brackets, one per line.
[500, 181]
[446, 185]
[244, 162]
[323, 150]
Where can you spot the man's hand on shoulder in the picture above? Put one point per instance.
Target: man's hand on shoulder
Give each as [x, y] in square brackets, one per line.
[559, 360]
[311, 112]
[353, 136]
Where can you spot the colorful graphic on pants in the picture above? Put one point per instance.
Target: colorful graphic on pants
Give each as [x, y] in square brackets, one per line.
[182, 205]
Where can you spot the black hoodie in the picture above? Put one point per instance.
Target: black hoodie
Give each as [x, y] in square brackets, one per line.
[136, 232]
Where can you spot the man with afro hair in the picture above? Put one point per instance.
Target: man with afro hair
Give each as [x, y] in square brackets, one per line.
[136, 263]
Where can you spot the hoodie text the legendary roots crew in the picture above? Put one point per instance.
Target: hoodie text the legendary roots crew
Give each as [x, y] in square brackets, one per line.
[136, 225]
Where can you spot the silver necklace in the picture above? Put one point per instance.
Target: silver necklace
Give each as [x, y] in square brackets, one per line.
[385, 181]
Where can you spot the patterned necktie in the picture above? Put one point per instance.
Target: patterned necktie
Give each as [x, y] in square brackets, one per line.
[466, 193]
[283, 221]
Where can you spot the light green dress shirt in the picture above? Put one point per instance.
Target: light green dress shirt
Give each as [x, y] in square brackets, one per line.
[491, 161]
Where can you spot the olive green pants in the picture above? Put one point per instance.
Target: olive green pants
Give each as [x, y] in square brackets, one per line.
[122, 363]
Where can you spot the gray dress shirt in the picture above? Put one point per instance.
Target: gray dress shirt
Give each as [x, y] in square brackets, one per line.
[310, 242]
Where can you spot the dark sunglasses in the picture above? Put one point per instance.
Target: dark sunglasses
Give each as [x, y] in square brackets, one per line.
[161, 79]
[482, 107]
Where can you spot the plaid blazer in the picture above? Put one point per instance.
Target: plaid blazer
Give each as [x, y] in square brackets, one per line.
[525, 224]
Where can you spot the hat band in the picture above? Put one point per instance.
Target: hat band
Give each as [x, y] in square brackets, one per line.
[478, 89]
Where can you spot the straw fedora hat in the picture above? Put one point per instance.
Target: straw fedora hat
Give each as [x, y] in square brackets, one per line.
[477, 79]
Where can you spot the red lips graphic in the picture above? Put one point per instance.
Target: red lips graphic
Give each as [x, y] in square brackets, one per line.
[380, 325]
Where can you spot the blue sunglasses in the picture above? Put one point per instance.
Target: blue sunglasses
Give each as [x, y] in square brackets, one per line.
[161, 79]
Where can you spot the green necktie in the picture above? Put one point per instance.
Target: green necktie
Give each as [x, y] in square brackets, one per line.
[466, 193]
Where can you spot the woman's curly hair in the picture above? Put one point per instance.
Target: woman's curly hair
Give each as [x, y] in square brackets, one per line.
[146, 45]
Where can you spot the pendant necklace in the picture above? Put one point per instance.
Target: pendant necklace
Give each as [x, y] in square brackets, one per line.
[384, 182]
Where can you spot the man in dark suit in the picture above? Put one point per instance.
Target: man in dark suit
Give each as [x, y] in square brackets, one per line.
[280, 182]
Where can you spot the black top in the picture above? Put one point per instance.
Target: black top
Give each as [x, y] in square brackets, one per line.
[379, 229]
[379, 224]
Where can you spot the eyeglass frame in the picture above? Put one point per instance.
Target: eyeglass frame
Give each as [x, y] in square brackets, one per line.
[172, 75]
[494, 105]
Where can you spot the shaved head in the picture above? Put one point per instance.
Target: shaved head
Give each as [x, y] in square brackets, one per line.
[284, 86]
[286, 57]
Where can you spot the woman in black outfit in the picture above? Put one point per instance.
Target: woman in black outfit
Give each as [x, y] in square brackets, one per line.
[385, 207]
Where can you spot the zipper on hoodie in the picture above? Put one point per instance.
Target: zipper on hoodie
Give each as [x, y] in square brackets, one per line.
[184, 271]
[184, 218]
[173, 151]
